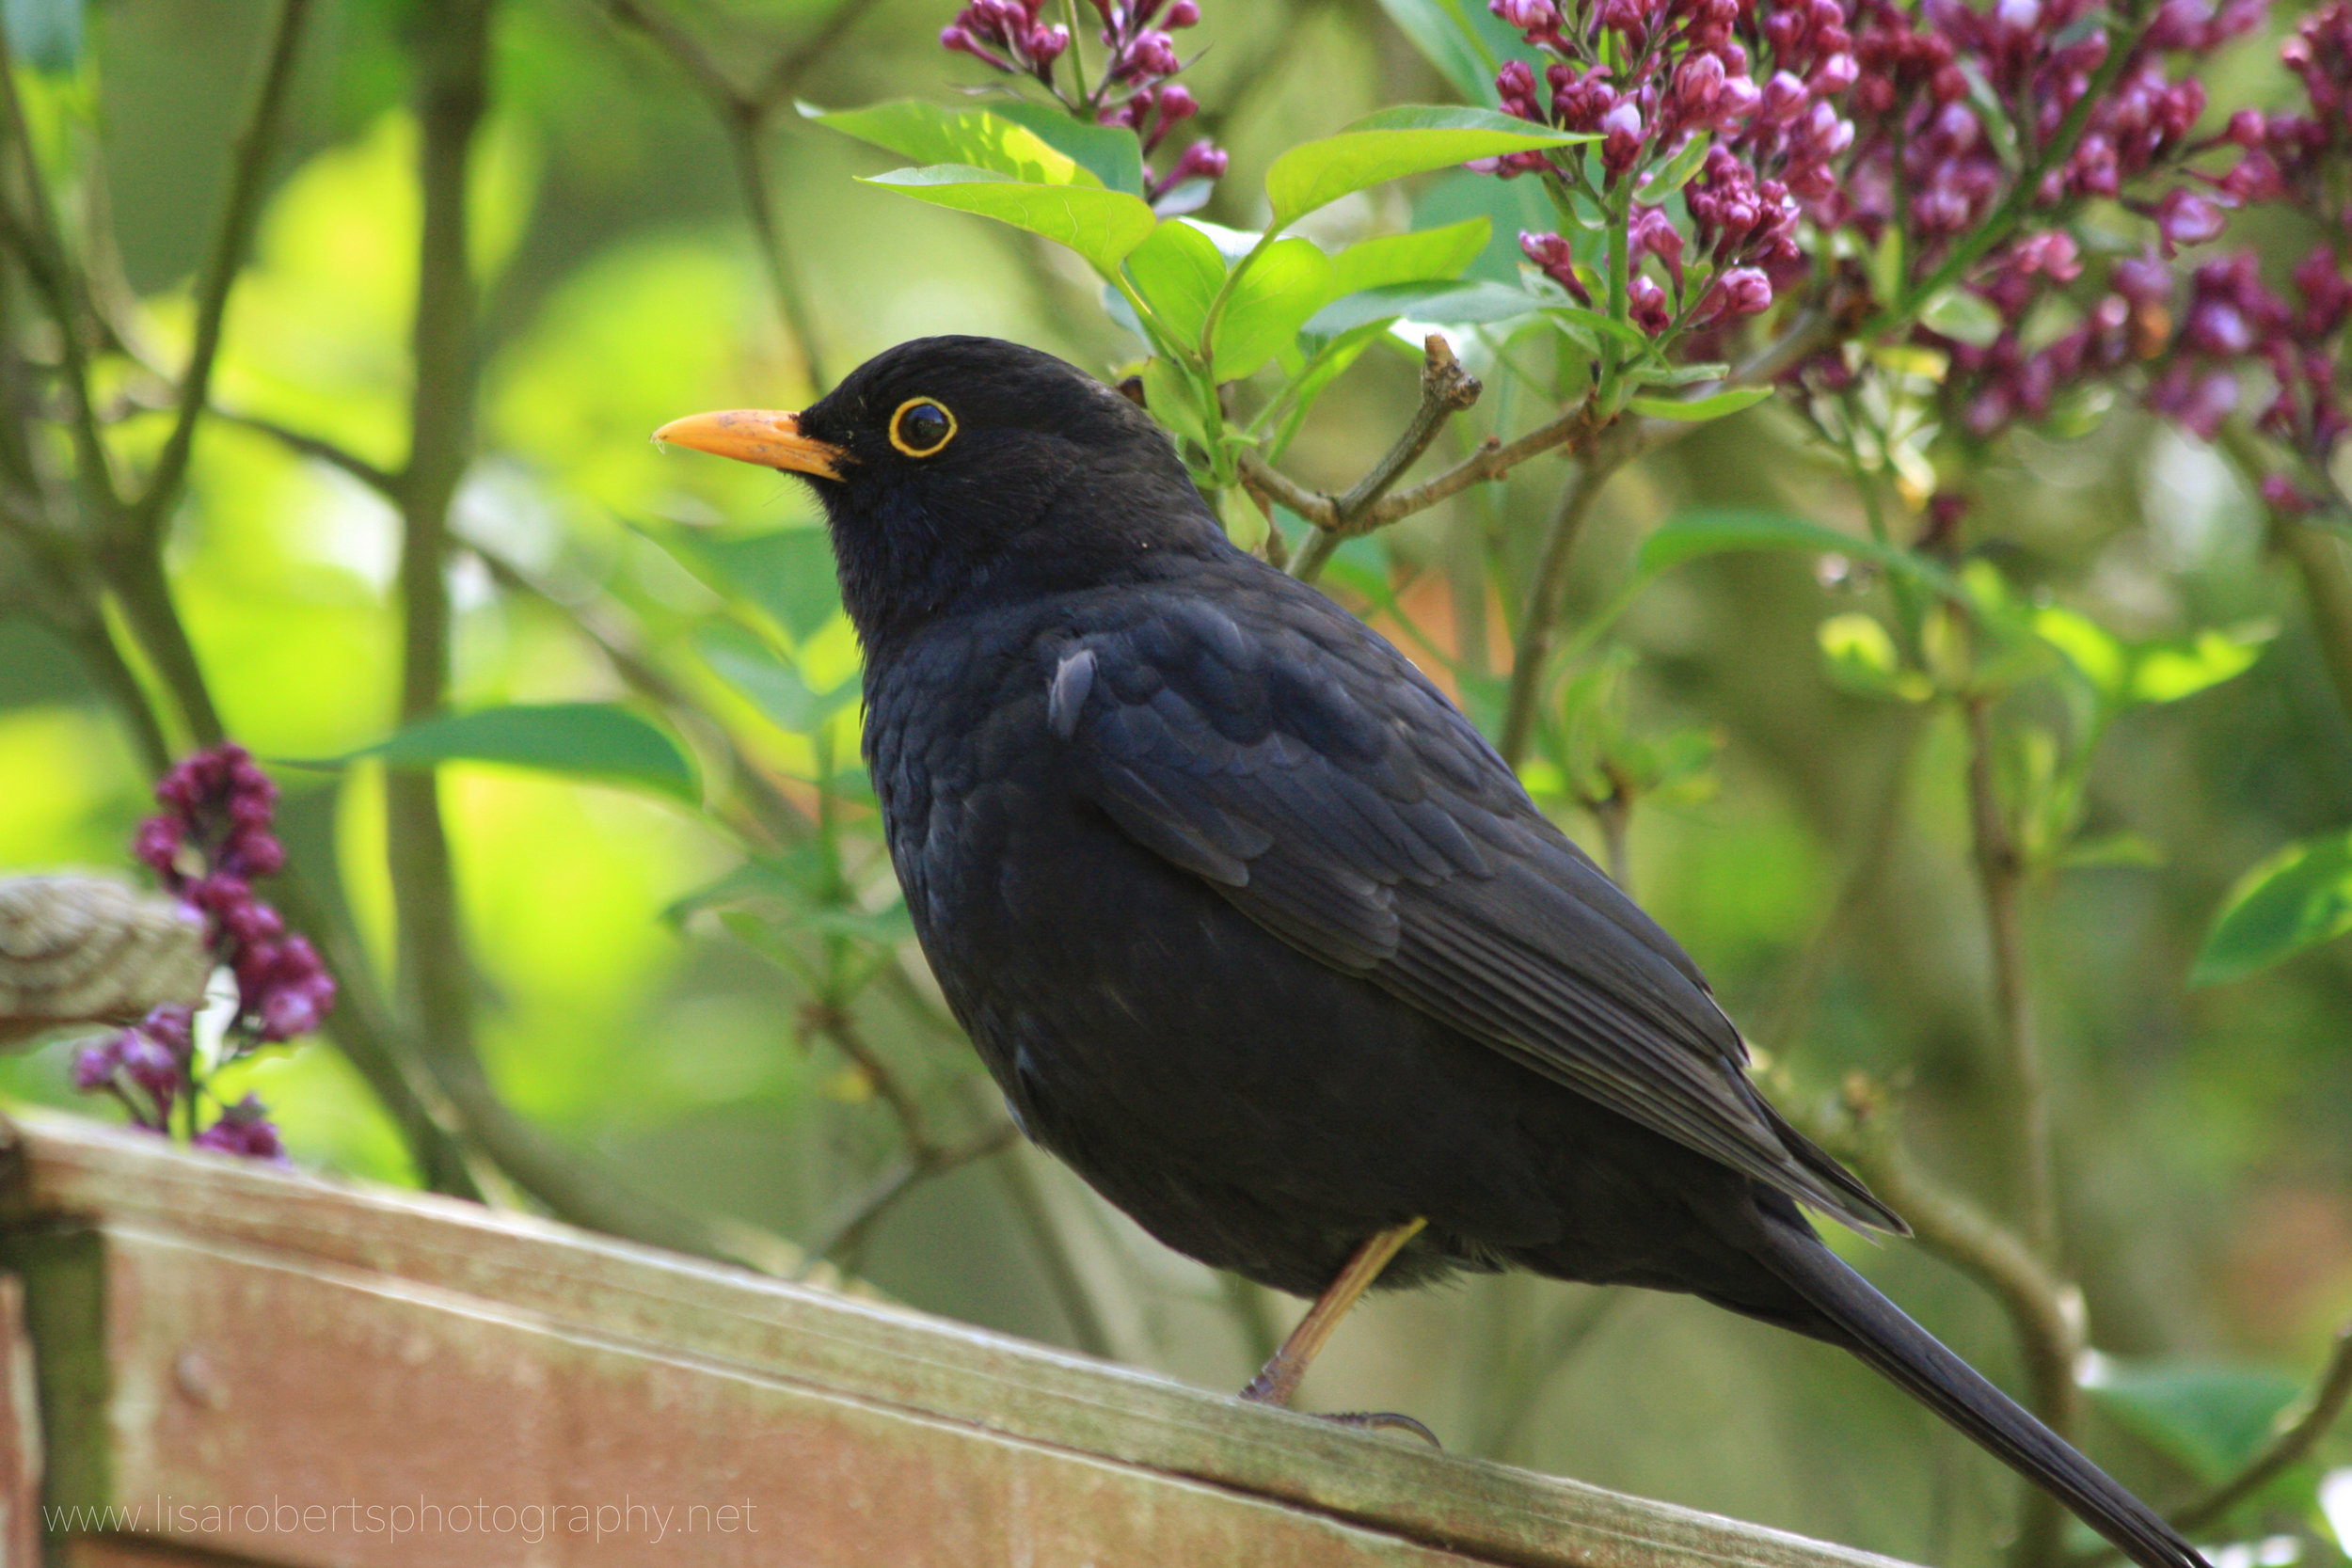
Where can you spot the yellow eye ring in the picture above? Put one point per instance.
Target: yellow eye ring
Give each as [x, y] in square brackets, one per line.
[897, 427]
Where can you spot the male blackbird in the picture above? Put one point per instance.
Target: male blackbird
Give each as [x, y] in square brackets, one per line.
[1255, 931]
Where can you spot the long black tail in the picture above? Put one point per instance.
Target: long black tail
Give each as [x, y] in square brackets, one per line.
[1876, 1330]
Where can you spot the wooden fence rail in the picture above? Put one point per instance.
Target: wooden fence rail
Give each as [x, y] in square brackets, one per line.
[211, 1363]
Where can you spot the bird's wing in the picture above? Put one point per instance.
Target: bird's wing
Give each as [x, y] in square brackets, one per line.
[1280, 751]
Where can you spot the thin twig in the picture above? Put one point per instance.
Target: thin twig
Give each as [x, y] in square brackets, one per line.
[1540, 621]
[249, 170]
[840, 1028]
[850, 1226]
[2001, 874]
[1446, 389]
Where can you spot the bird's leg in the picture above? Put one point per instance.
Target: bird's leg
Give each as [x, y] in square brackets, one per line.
[1278, 1380]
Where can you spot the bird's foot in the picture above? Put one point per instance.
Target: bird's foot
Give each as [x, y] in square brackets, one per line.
[1383, 1420]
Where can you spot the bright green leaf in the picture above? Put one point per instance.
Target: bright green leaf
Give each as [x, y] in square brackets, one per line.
[587, 739]
[1393, 143]
[2212, 1417]
[1698, 410]
[1862, 657]
[772, 684]
[1422, 256]
[786, 573]
[2165, 674]
[1168, 395]
[1289, 281]
[1100, 225]
[2298, 898]
[1111, 152]
[2089, 646]
[977, 138]
[1962, 316]
[1670, 176]
[1177, 271]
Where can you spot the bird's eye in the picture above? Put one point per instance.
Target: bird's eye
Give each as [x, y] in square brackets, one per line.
[921, 426]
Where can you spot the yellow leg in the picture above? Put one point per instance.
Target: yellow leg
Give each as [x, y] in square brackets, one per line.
[1278, 1380]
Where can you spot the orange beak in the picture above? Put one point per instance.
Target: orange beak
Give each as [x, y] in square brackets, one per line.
[763, 435]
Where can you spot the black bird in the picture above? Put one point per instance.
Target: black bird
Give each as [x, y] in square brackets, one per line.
[1255, 930]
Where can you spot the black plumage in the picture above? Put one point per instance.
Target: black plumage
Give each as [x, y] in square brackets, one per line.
[1256, 931]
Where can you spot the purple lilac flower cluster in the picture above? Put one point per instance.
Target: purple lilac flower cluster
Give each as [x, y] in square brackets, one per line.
[1691, 68]
[208, 843]
[2201, 348]
[1135, 88]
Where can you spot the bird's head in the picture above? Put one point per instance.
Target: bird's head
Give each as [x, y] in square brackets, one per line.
[956, 470]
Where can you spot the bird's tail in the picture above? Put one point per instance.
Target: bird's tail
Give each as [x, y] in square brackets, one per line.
[1876, 1330]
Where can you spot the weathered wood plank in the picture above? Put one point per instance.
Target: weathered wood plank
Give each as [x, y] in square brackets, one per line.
[865, 1377]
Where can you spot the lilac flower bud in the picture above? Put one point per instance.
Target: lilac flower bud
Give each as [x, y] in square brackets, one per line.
[1515, 85]
[1653, 233]
[1183, 13]
[1735, 103]
[1045, 45]
[2216, 326]
[1783, 95]
[1621, 136]
[2184, 217]
[1552, 253]
[1697, 83]
[1528, 16]
[1835, 74]
[1202, 160]
[1645, 302]
[1746, 291]
[1176, 103]
[157, 845]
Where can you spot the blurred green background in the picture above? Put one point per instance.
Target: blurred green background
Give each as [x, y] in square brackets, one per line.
[2205, 1135]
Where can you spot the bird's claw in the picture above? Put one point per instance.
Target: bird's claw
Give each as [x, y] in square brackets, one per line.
[1383, 1420]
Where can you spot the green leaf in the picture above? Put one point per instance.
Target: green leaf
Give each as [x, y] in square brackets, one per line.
[795, 892]
[1691, 534]
[2169, 672]
[2210, 1417]
[787, 574]
[1962, 316]
[1698, 410]
[1592, 322]
[1676, 172]
[1423, 256]
[1167, 396]
[1440, 303]
[1862, 658]
[977, 138]
[1111, 153]
[1102, 226]
[1393, 143]
[2298, 898]
[773, 685]
[1177, 271]
[1289, 281]
[2089, 646]
[1460, 39]
[593, 740]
